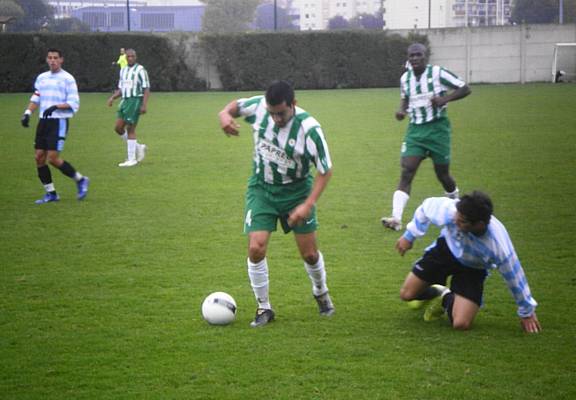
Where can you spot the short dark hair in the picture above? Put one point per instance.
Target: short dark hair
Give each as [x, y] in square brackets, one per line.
[55, 50]
[279, 92]
[475, 207]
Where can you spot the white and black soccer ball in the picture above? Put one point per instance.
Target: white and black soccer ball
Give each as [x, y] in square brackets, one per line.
[219, 308]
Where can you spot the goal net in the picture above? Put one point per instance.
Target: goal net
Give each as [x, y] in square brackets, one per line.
[564, 63]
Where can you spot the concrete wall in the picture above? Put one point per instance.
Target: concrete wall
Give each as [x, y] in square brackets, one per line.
[499, 54]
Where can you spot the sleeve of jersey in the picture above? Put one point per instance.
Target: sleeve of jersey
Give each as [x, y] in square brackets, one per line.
[434, 210]
[450, 80]
[318, 150]
[35, 98]
[247, 107]
[145, 79]
[512, 272]
[72, 97]
[403, 87]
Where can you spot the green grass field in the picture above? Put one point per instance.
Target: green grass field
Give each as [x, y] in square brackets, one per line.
[101, 299]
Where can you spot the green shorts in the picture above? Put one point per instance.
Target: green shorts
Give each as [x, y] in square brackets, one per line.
[428, 140]
[266, 204]
[129, 109]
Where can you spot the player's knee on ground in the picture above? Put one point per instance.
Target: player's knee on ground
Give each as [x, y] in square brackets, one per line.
[461, 324]
[407, 294]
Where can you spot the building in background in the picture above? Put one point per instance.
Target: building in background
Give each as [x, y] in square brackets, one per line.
[64, 8]
[142, 19]
[315, 14]
[422, 14]
[481, 13]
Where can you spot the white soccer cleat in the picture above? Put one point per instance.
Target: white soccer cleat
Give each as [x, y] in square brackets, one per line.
[141, 152]
[391, 223]
[128, 163]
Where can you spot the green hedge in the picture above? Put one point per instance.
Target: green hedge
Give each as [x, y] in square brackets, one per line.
[311, 60]
[89, 58]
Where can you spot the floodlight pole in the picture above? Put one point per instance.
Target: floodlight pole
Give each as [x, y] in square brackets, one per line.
[429, 14]
[275, 17]
[128, 14]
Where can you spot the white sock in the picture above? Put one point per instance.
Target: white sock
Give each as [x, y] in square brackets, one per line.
[399, 201]
[49, 188]
[453, 195]
[317, 274]
[131, 149]
[78, 177]
[258, 274]
[124, 136]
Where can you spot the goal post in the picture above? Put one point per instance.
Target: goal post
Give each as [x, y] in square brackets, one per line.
[564, 63]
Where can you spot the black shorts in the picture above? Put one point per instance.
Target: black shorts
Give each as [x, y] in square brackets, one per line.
[438, 263]
[51, 134]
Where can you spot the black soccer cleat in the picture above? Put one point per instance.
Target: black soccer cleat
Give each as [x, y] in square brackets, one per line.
[263, 316]
[325, 305]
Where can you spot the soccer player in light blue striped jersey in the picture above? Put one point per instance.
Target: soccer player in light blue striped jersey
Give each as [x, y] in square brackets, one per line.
[56, 97]
[424, 91]
[288, 142]
[472, 242]
[134, 88]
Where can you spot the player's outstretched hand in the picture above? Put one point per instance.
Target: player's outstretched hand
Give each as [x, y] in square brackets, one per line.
[48, 112]
[25, 120]
[531, 324]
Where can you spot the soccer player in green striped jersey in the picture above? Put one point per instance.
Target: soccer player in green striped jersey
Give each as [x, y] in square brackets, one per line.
[424, 91]
[134, 87]
[287, 143]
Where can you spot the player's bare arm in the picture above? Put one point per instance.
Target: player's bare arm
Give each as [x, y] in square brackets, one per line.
[227, 117]
[457, 94]
[403, 245]
[114, 96]
[144, 106]
[32, 107]
[299, 215]
[401, 113]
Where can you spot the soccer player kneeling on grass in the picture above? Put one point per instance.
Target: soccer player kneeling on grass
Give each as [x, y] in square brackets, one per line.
[472, 241]
[287, 142]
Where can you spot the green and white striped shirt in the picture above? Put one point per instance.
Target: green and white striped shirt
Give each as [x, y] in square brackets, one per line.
[284, 155]
[434, 81]
[133, 81]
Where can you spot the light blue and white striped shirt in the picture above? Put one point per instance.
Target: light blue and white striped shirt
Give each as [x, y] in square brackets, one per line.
[51, 89]
[493, 250]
